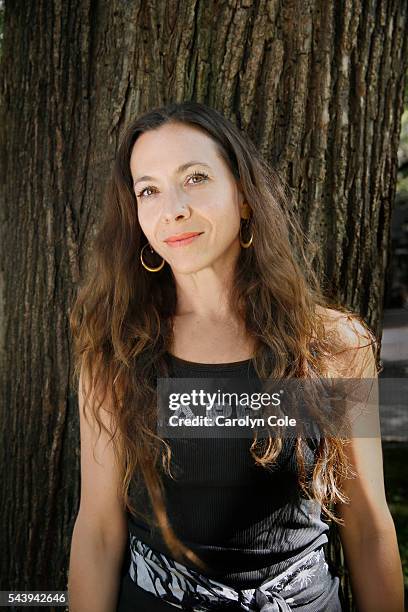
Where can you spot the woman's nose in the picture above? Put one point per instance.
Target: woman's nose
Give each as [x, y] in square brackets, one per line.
[175, 209]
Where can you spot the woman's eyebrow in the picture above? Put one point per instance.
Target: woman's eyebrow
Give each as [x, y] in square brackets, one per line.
[178, 170]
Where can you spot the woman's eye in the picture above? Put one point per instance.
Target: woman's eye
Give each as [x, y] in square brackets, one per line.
[198, 174]
[140, 194]
[203, 176]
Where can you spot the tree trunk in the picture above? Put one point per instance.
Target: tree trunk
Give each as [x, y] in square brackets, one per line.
[317, 84]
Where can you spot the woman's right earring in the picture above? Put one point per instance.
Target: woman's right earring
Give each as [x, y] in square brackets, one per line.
[145, 265]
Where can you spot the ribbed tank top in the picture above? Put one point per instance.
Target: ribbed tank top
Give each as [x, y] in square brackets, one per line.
[247, 522]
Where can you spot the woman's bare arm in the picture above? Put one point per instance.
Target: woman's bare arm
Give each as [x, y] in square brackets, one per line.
[100, 532]
[368, 535]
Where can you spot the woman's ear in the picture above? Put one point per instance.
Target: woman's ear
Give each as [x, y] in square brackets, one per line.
[240, 191]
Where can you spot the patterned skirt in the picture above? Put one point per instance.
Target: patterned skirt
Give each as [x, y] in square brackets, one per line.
[307, 585]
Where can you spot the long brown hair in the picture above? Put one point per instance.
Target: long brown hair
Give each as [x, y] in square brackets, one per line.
[121, 319]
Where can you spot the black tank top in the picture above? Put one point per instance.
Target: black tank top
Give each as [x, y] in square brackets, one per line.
[246, 522]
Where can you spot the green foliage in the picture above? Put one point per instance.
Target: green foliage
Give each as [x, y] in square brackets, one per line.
[402, 177]
[402, 182]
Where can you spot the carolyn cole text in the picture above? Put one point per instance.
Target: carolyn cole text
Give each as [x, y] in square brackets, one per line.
[222, 421]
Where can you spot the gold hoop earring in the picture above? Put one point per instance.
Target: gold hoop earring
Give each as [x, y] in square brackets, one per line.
[245, 245]
[145, 265]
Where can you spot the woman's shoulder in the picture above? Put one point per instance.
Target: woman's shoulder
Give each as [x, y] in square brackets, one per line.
[347, 332]
[348, 326]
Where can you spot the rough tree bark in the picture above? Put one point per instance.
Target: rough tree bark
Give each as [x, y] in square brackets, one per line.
[318, 85]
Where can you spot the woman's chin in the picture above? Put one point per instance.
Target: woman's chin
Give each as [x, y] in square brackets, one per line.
[188, 266]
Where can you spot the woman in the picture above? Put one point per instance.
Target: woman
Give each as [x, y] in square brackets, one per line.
[216, 523]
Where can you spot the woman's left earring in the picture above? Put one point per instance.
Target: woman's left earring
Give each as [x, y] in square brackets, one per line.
[145, 265]
[244, 244]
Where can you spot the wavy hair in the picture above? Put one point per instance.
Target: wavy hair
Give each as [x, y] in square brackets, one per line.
[121, 319]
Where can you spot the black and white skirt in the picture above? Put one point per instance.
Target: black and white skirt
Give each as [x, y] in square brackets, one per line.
[306, 585]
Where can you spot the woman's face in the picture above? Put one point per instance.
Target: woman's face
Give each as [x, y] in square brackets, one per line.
[204, 197]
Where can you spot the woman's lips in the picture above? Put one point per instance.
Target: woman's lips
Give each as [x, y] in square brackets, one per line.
[184, 242]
